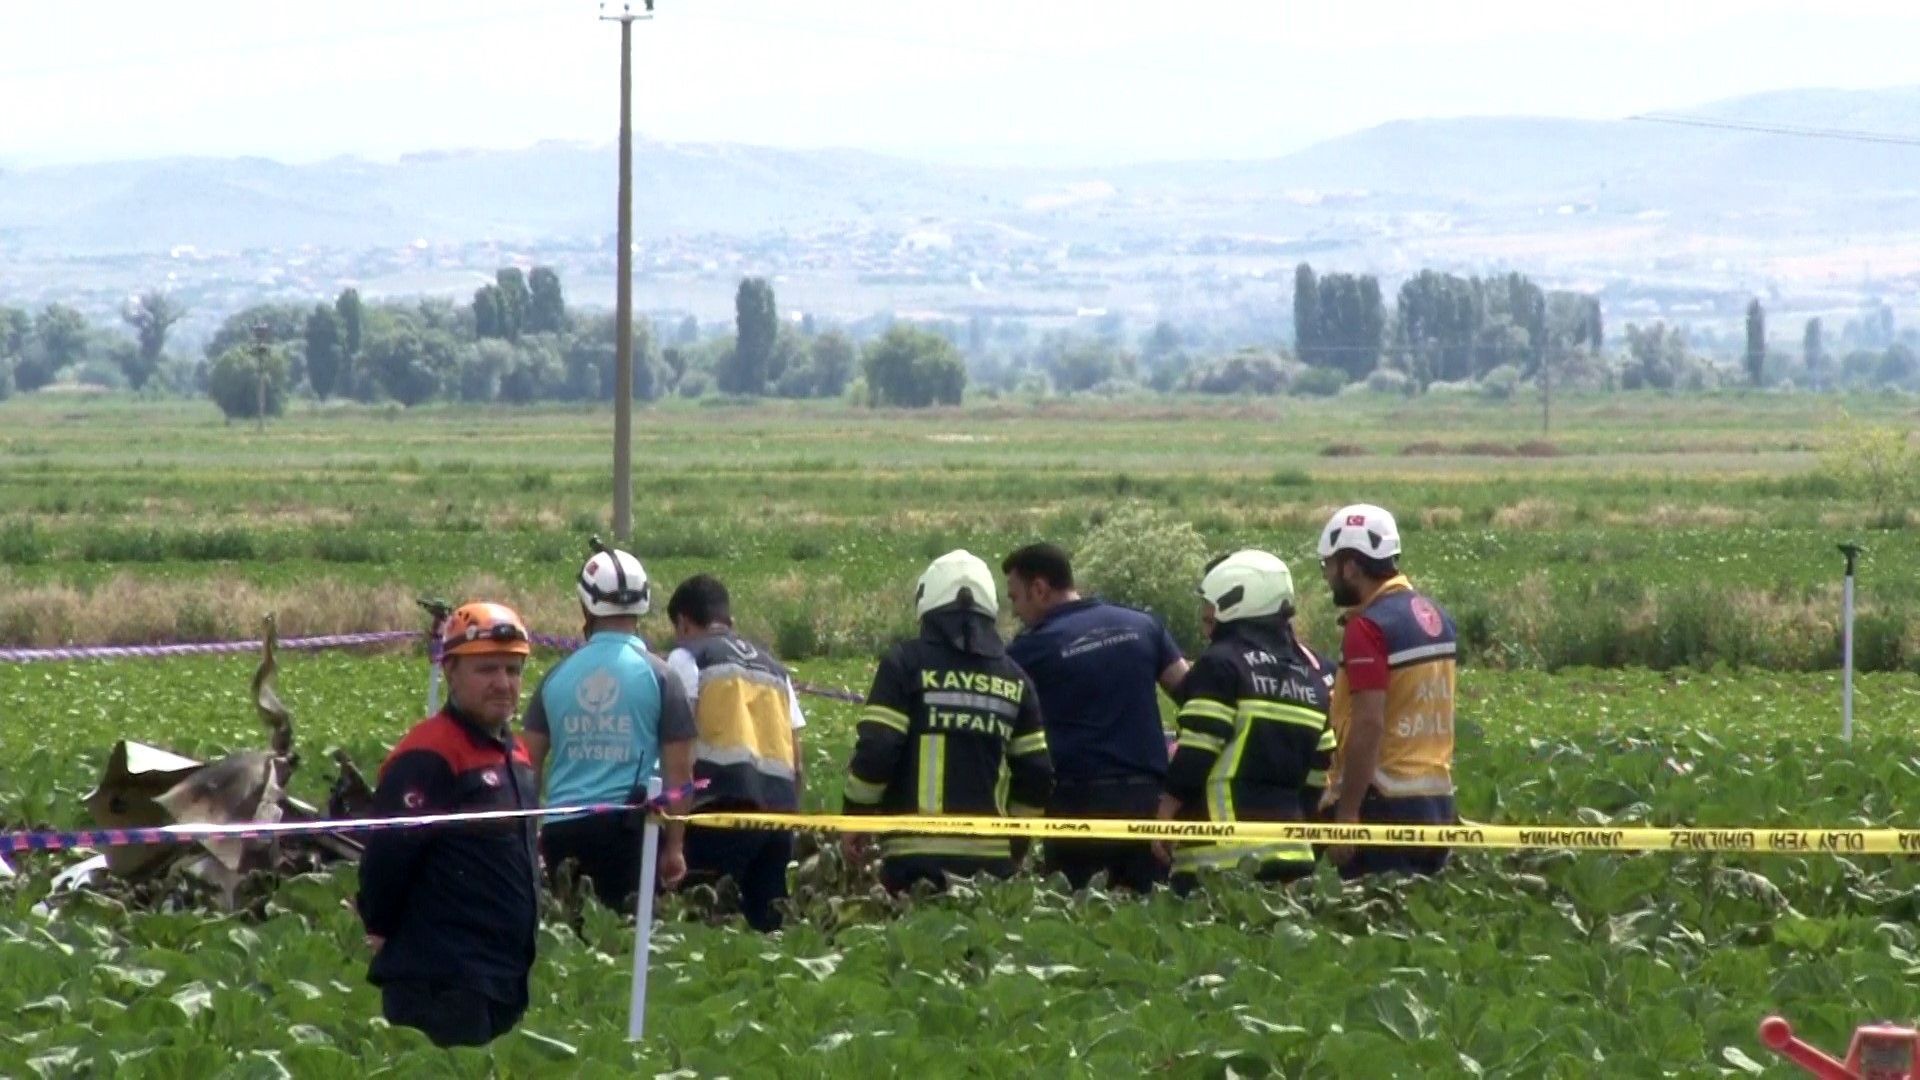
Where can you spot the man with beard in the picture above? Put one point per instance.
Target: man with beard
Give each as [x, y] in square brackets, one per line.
[1392, 696]
[451, 911]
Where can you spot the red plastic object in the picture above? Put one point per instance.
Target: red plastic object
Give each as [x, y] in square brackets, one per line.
[1878, 1052]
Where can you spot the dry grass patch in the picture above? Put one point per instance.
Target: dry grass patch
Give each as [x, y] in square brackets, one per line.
[124, 610]
[1864, 517]
[1668, 516]
[1301, 517]
[1530, 514]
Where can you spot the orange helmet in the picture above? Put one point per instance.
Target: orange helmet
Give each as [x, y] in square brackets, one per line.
[481, 627]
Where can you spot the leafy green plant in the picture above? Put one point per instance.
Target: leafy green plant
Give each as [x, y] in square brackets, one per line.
[1147, 558]
[1877, 463]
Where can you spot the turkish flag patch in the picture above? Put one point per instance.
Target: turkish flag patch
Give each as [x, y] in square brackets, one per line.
[414, 800]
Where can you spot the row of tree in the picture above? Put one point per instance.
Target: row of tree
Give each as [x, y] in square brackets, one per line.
[518, 341]
[1443, 327]
[37, 349]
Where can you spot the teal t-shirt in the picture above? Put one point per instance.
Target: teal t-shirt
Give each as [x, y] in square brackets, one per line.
[605, 711]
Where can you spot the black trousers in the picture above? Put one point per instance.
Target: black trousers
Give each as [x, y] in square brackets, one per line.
[1377, 809]
[451, 1013]
[900, 873]
[1128, 863]
[756, 860]
[603, 849]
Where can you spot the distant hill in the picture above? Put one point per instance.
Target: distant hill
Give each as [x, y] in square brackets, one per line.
[1711, 215]
[548, 190]
[1469, 165]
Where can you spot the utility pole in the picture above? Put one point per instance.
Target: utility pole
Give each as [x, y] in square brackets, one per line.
[260, 334]
[1546, 389]
[1852, 552]
[623, 295]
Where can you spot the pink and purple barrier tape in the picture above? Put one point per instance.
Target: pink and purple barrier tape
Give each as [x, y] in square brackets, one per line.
[201, 648]
[14, 842]
[324, 641]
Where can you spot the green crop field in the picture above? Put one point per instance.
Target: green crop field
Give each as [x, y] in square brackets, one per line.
[1649, 596]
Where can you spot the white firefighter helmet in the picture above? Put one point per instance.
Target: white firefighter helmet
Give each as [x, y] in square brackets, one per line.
[1362, 528]
[614, 583]
[1247, 585]
[949, 575]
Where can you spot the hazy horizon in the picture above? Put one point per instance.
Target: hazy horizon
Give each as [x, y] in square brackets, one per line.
[1076, 83]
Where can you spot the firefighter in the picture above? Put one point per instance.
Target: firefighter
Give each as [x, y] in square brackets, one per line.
[603, 722]
[451, 912]
[948, 711]
[1254, 740]
[748, 751]
[1392, 698]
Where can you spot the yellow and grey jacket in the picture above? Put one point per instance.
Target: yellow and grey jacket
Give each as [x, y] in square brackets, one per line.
[744, 712]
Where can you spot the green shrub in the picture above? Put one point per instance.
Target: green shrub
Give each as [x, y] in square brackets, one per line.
[22, 544]
[217, 545]
[124, 545]
[1500, 383]
[1320, 382]
[346, 547]
[1876, 464]
[678, 542]
[1147, 558]
[234, 382]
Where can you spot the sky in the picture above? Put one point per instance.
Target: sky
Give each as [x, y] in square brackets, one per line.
[1044, 82]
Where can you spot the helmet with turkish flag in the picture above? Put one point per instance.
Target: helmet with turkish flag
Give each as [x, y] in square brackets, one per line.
[1362, 528]
[481, 628]
[613, 583]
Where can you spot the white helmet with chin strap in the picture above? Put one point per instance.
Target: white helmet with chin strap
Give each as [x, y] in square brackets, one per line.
[1362, 528]
[613, 583]
[950, 575]
[1247, 584]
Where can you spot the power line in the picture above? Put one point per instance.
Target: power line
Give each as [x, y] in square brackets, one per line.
[1781, 129]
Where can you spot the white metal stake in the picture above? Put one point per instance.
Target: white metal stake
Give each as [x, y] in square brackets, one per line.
[643, 920]
[1852, 552]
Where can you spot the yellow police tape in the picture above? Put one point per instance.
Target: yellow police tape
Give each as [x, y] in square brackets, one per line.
[1550, 837]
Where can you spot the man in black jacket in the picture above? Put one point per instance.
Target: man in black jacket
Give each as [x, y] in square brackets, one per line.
[451, 910]
[1254, 738]
[946, 711]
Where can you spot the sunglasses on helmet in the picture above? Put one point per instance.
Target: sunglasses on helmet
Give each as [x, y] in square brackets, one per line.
[502, 631]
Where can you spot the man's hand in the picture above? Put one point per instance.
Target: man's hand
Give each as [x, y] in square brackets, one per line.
[375, 943]
[1342, 854]
[1167, 809]
[673, 865]
[853, 848]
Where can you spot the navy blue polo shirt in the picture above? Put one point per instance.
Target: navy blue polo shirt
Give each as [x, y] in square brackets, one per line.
[1097, 667]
